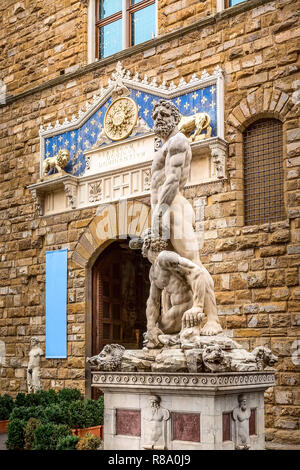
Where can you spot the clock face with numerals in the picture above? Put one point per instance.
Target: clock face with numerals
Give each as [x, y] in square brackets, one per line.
[120, 118]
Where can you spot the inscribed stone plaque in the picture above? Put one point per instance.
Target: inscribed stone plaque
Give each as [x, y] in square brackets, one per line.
[186, 427]
[128, 422]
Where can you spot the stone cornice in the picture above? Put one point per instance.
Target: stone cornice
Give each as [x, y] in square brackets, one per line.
[227, 13]
[185, 381]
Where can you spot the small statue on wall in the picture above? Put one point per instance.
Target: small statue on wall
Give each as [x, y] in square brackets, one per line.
[155, 425]
[241, 416]
[56, 164]
[33, 368]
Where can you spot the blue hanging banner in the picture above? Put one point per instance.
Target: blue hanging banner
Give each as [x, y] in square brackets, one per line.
[56, 304]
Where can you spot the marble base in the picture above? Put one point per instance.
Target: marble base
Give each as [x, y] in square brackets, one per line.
[194, 410]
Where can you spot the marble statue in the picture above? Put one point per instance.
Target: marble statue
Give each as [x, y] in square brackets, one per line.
[173, 216]
[33, 368]
[56, 164]
[184, 333]
[241, 416]
[196, 124]
[155, 419]
[183, 284]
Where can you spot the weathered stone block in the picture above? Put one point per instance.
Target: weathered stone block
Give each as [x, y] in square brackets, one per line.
[257, 279]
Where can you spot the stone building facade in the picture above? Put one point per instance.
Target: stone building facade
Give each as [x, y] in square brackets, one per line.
[49, 73]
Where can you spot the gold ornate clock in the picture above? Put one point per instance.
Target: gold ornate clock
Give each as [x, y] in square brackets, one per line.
[120, 118]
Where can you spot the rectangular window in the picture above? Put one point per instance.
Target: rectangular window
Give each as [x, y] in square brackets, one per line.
[123, 23]
[235, 2]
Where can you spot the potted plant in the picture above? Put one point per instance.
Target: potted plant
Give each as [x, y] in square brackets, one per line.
[88, 442]
[87, 417]
[6, 407]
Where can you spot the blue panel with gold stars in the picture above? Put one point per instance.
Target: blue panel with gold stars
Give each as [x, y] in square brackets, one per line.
[84, 138]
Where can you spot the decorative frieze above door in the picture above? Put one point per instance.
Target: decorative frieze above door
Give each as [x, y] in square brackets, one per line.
[105, 153]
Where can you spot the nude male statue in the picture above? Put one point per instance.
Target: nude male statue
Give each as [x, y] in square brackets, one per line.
[171, 211]
[241, 416]
[182, 281]
[33, 368]
[156, 417]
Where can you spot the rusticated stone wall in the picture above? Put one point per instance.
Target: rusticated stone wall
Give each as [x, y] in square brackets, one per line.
[255, 268]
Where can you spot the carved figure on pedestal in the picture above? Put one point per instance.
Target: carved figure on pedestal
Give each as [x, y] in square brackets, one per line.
[154, 422]
[173, 216]
[183, 285]
[264, 357]
[198, 122]
[56, 164]
[33, 368]
[109, 359]
[241, 416]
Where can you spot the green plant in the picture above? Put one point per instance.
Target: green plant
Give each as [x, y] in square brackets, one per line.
[67, 443]
[69, 395]
[21, 400]
[15, 431]
[25, 413]
[94, 412]
[31, 426]
[88, 442]
[60, 431]
[6, 406]
[77, 414]
[42, 437]
[46, 397]
[20, 412]
[47, 435]
[56, 414]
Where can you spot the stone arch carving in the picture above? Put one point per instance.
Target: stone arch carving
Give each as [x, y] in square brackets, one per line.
[112, 221]
[264, 102]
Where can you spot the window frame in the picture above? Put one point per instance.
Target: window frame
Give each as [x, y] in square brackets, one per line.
[265, 119]
[124, 15]
[224, 4]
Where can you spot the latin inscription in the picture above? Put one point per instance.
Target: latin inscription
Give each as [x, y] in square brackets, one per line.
[121, 155]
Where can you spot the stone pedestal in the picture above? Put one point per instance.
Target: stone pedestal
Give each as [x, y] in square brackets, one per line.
[183, 411]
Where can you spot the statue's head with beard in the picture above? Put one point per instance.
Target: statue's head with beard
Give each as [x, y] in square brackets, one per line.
[166, 117]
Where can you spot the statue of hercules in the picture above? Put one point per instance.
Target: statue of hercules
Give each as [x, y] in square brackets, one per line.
[172, 214]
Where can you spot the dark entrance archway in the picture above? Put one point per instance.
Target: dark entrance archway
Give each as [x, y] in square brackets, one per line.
[120, 291]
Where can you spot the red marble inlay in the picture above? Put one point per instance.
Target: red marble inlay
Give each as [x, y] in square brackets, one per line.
[226, 426]
[186, 427]
[128, 422]
[252, 422]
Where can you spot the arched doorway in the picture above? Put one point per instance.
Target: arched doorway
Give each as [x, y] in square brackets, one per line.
[119, 294]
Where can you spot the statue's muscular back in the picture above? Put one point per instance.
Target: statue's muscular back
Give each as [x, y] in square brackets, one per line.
[163, 164]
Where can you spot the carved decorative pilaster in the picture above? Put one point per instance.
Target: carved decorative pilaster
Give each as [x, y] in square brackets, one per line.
[218, 152]
[95, 191]
[38, 199]
[146, 179]
[71, 193]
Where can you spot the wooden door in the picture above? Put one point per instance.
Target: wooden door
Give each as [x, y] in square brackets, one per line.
[120, 291]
